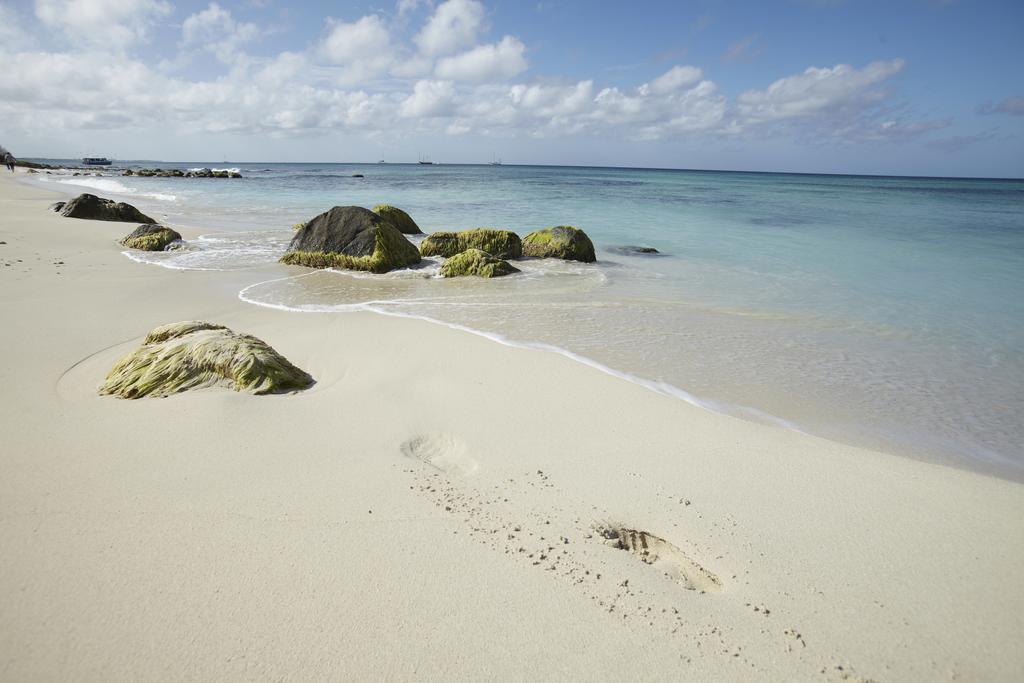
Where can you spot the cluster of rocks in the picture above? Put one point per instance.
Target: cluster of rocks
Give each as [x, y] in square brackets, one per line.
[150, 236]
[355, 238]
[178, 173]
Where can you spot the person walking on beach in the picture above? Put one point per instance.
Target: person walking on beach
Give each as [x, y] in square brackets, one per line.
[9, 161]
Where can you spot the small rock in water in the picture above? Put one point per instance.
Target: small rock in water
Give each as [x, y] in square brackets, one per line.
[635, 251]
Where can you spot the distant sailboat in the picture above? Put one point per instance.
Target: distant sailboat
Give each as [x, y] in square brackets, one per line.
[495, 161]
[425, 160]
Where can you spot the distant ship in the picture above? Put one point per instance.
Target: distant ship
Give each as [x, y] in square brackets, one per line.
[425, 160]
[494, 161]
[96, 161]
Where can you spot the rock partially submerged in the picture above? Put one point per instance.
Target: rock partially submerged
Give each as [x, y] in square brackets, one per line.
[504, 244]
[476, 262]
[196, 355]
[562, 241]
[99, 209]
[151, 237]
[630, 250]
[398, 218]
[351, 237]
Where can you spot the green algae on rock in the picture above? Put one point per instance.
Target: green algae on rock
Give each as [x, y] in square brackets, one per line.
[503, 244]
[350, 237]
[151, 237]
[398, 218]
[476, 262]
[562, 241]
[195, 355]
[95, 208]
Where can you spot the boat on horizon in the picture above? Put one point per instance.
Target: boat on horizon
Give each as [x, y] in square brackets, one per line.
[96, 161]
[425, 160]
[494, 161]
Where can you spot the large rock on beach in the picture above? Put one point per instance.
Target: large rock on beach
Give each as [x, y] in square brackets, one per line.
[562, 241]
[99, 209]
[151, 237]
[351, 237]
[476, 262]
[503, 244]
[196, 355]
[398, 218]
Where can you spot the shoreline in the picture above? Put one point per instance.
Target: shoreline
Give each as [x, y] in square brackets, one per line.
[370, 526]
[979, 459]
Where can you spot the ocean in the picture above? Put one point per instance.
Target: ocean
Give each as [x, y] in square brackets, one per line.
[884, 312]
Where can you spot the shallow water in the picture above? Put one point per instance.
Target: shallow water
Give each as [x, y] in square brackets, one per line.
[886, 312]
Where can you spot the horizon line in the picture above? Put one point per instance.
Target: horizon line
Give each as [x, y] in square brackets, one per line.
[538, 165]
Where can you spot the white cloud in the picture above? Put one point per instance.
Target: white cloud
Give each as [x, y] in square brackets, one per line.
[215, 30]
[349, 43]
[485, 62]
[363, 48]
[818, 91]
[454, 25]
[102, 24]
[359, 77]
[429, 98]
[674, 79]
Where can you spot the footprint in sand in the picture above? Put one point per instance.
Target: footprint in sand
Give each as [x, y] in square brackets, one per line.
[663, 555]
[444, 452]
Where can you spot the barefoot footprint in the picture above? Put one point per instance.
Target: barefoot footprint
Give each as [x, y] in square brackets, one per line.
[659, 553]
[445, 452]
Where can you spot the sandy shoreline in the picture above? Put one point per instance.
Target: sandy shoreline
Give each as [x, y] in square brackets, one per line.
[372, 526]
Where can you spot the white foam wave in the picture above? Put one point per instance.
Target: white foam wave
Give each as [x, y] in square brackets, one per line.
[140, 257]
[657, 386]
[115, 187]
[103, 184]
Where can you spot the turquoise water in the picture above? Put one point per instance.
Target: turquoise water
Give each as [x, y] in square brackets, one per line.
[885, 312]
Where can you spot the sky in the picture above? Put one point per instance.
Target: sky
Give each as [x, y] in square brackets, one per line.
[905, 87]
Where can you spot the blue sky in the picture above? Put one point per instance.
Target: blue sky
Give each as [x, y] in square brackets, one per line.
[923, 87]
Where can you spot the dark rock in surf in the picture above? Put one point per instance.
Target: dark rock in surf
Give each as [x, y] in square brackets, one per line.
[562, 241]
[478, 263]
[351, 237]
[398, 218]
[151, 237]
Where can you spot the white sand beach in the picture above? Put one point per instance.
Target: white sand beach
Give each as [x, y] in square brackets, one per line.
[437, 506]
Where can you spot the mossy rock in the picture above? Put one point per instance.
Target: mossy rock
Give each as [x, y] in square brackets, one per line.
[95, 208]
[503, 244]
[476, 262]
[197, 355]
[562, 241]
[151, 237]
[398, 218]
[350, 237]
